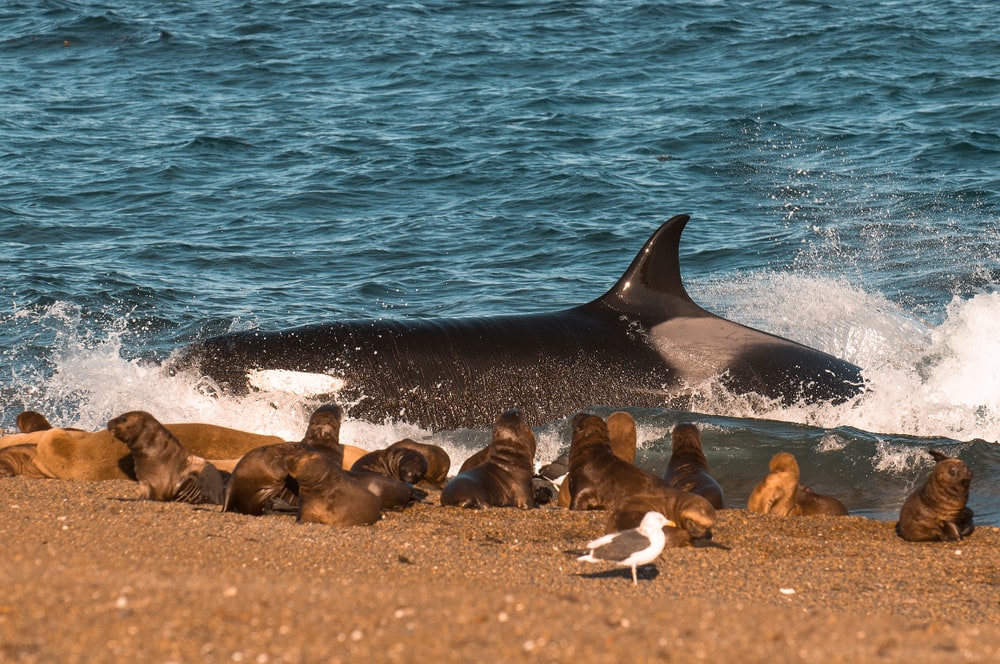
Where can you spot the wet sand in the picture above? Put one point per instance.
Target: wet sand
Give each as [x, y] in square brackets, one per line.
[91, 574]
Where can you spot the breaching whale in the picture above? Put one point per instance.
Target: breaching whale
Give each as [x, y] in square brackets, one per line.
[644, 343]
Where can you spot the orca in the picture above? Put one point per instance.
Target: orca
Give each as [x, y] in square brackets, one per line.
[644, 343]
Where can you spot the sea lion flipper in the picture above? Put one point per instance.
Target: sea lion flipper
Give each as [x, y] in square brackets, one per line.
[201, 485]
[937, 455]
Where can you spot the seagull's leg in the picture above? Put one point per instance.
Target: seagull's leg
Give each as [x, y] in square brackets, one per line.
[635, 581]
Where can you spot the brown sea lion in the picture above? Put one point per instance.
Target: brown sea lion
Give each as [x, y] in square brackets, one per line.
[31, 421]
[775, 494]
[597, 478]
[504, 479]
[329, 495]
[402, 463]
[688, 467]
[261, 481]
[21, 460]
[693, 515]
[165, 470]
[812, 504]
[937, 510]
[438, 461]
[623, 438]
[393, 494]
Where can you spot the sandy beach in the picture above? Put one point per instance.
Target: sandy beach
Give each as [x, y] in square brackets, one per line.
[91, 574]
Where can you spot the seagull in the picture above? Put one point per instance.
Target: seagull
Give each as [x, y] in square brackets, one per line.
[632, 547]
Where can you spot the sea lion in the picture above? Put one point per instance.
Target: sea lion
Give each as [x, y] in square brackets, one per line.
[782, 493]
[438, 461]
[329, 495]
[21, 460]
[812, 504]
[30, 421]
[165, 470]
[402, 463]
[476, 459]
[937, 510]
[775, 494]
[504, 479]
[622, 434]
[688, 467]
[74, 454]
[597, 478]
[261, 481]
[693, 515]
[623, 438]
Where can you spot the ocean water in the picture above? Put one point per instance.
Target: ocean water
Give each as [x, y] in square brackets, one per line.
[174, 170]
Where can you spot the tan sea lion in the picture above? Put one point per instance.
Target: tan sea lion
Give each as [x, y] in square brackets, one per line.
[693, 515]
[775, 494]
[597, 478]
[21, 460]
[937, 510]
[165, 470]
[327, 494]
[782, 493]
[688, 467]
[504, 479]
[622, 434]
[97, 455]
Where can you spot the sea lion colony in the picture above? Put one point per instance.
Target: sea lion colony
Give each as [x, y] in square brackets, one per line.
[319, 479]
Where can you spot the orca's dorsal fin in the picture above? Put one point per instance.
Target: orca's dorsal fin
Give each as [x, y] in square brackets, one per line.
[652, 283]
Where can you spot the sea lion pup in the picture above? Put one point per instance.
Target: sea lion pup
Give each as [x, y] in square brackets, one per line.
[688, 467]
[327, 494]
[261, 482]
[597, 478]
[622, 434]
[812, 504]
[30, 421]
[438, 461]
[623, 438]
[164, 469]
[504, 479]
[775, 494]
[937, 510]
[693, 516]
[21, 460]
[782, 493]
[402, 463]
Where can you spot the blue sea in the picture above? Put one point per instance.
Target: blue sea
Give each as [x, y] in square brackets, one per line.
[175, 170]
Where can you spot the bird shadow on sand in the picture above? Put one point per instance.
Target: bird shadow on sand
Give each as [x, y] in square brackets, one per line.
[648, 572]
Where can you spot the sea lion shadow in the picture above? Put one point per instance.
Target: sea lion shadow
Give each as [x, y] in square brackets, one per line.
[649, 572]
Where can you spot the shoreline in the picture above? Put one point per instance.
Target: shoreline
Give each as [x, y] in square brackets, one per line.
[92, 572]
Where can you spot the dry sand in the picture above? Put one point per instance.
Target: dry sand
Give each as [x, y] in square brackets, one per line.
[90, 574]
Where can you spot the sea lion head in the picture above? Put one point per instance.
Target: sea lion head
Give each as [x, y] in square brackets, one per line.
[324, 426]
[589, 432]
[512, 438]
[686, 439]
[947, 488]
[622, 435]
[406, 465]
[783, 462]
[696, 515]
[31, 421]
